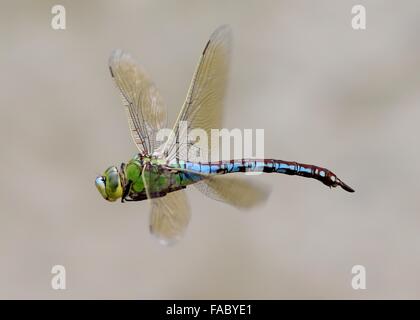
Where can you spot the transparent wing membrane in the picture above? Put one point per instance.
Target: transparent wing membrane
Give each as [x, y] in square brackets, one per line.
[233, 190]
[236, 191]
[203, 106]
[170, 217]
[170, 214]
[145, 109]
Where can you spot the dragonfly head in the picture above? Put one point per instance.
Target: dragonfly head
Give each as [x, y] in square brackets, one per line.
[109, 184]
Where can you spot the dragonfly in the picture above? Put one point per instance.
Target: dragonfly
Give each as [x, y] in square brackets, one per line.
[160, 171]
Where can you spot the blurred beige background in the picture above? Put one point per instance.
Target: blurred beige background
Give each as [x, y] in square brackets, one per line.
[324, 93]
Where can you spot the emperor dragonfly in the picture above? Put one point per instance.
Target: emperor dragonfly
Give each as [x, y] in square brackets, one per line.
[160, 171]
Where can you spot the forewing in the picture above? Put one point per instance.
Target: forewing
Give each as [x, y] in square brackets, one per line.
[203, 106]
[169, 215]
[145, 109]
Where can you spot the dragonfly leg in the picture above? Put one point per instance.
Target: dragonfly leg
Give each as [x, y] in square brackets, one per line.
[126, 191]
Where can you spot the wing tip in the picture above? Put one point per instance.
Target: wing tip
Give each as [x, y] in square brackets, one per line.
[223, 30]
[114, 56]
[166, 241]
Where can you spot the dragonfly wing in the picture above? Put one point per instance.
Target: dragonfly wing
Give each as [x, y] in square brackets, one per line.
[235, 191]
[145, 109]
[203, 106]
[169, 215]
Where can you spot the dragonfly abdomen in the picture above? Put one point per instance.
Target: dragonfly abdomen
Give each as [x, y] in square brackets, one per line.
[269, 166]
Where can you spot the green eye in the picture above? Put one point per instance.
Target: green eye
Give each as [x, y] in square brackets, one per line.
[112, 181]
[109, 185]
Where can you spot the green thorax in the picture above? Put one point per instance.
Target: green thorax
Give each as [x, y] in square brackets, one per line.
[158, 176]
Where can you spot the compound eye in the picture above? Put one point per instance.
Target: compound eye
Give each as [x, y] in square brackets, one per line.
[100, 185]
[113, 187]
[113, 180]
